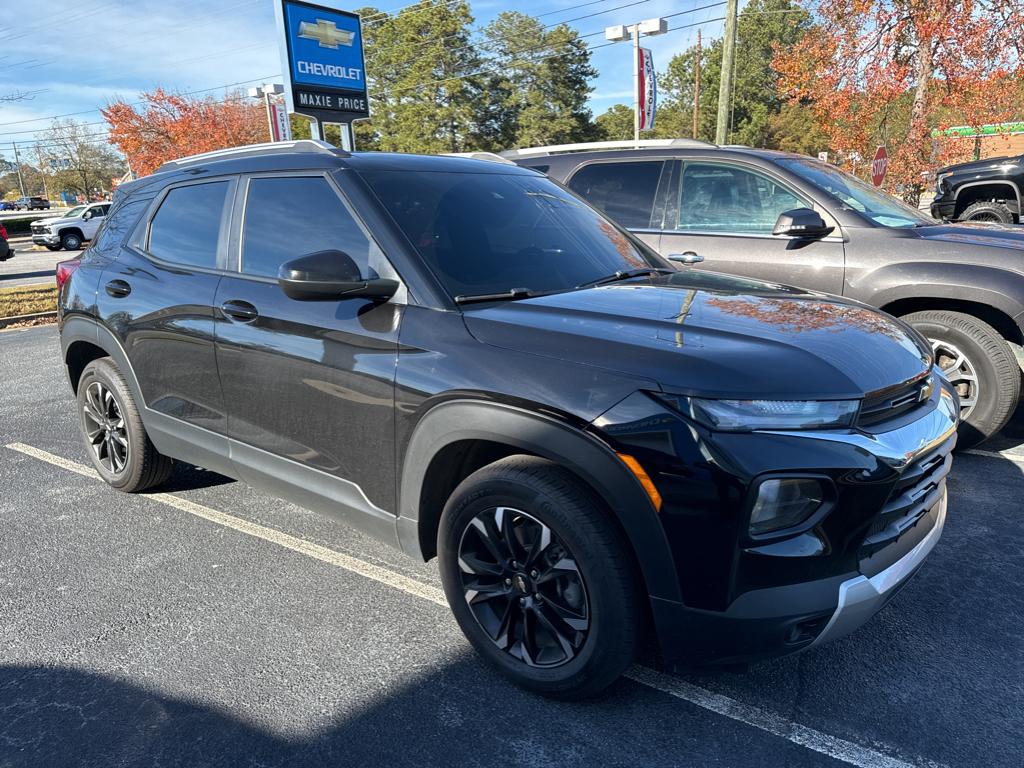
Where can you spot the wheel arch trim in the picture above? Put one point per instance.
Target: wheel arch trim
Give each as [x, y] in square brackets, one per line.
[541, 435]
[990, 182]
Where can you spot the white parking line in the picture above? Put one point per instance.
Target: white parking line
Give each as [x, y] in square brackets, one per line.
[823, 743]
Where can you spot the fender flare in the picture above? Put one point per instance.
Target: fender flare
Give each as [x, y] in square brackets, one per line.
[541, 435]
[997, 288]
[83, 328]
[993, 183]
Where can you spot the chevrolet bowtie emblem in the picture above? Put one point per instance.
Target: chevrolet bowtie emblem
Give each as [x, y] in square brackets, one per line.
[326, 33]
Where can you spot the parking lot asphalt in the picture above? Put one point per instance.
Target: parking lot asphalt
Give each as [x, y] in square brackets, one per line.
[210, 624]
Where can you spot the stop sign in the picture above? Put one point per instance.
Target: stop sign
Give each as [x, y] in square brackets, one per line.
[878, 166]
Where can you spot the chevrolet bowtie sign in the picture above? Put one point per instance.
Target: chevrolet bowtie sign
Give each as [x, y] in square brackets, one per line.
[322, 56]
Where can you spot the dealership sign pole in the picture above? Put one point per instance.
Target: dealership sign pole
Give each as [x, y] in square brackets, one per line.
[322, 63]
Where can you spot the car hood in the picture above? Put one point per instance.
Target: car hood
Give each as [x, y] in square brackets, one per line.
[975, 233]
[990, 163]
[47, 220]
[706, 333]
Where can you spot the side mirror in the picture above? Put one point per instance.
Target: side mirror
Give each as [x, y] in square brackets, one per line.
[87, 215]
[801, 222]
[329, 276]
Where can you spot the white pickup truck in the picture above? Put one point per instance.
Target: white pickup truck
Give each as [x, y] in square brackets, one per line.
[70, 230]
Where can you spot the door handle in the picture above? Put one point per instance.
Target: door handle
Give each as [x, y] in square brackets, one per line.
[689, 257]
[239, 310]
[118, 288]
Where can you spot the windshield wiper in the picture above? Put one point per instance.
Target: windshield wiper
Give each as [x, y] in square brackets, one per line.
[509, 295]
[626, 274]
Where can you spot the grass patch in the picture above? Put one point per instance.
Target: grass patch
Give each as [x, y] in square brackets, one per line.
[27, 299]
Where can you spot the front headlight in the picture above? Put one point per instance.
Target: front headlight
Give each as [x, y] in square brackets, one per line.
[746, 415]
[939, 180]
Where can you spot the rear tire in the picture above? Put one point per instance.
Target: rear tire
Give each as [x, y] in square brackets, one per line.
[112, 429]
[988, 210]
[540, 578]
[981, 366]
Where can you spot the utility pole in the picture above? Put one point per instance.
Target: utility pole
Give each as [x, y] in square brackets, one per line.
[696, 88]
[728, 64]
[17, 162]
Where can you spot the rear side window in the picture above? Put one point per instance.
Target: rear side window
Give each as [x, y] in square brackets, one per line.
[186, 228]
[117, 225]
[291, 216]
[624, 191]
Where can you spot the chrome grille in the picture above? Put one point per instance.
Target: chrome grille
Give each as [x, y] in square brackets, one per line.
[884, 404]
[917, 491]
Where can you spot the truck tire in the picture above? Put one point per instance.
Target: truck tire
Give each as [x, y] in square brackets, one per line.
[979, 363]
[114, 435]
[539, 577]
[988, 210]
[70, 242]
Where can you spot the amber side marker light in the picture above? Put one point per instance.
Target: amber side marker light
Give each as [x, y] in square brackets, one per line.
[643, 477]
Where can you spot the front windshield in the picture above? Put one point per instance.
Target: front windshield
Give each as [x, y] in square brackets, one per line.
[483, 233]
[77, 211]
[882, 209]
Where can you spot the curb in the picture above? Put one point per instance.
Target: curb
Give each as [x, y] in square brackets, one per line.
[5, 321]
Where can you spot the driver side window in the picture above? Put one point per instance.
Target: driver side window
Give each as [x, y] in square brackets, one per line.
[291, 216]
[724, 198]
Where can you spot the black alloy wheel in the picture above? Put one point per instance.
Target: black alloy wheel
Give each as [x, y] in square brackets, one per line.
[105, 428]
[524, 587]
[113, 432]
[540, 577]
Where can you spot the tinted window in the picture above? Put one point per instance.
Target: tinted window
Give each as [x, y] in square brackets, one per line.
[624, 191]
[186, 227]
[873, 203]
[116, 226]
[489, 232]
[724, 198]
[288, 217]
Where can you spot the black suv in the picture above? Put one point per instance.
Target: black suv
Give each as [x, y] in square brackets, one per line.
[465, 360]
[982, 190]
[792, 219]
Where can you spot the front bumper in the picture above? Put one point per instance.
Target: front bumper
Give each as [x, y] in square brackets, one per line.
[746, 599]
[45, 238]
[861, 597]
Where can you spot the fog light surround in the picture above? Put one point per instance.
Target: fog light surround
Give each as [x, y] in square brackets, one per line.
[783, 503]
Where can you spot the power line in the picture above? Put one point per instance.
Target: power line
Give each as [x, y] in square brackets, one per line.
[262, 79]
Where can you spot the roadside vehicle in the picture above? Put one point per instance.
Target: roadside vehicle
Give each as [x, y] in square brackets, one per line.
[8, 205]
[466, 361]
[792, 219]
[32, 204]
[6, 252]
[70, 230]
[981, 190]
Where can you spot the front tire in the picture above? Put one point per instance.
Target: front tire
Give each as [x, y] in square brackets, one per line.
[980, 365]
[540, 578]
[71, 242]
[115, 439]
[988, 210]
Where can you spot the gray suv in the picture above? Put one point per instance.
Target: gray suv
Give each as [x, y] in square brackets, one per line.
[794, 220]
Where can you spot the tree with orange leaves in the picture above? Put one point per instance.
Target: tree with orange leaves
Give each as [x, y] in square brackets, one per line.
[889, 71]
[170, 125]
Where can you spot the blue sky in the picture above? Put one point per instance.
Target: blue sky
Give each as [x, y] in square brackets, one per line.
[74, 56]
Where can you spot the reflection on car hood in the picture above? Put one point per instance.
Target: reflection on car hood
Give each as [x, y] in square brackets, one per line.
[976, 233]
[705, 333]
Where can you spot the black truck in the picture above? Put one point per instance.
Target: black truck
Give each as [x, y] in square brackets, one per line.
[982, 190]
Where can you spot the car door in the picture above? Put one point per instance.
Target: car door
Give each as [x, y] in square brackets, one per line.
[309, 384]
[725, 211]
[92, 219]
[157, 298]
[631, 192]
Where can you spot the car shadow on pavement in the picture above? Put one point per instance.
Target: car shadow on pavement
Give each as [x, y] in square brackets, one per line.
[1012, 435]
[61, 717]
[188, 477]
